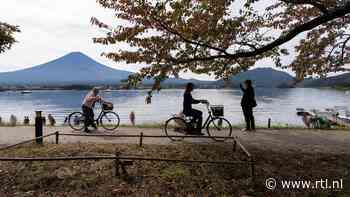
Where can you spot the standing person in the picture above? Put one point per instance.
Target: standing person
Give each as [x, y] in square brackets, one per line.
[52, 120]
[248, 103]
[188, 111]
[132, 118]
[87, 107]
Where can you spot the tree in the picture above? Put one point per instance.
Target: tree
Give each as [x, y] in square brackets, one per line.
[6, 36]
[225, 37]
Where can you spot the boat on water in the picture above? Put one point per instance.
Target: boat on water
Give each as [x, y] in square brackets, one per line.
[26, 92]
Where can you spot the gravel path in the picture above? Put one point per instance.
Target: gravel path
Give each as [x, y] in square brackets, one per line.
[303, 140]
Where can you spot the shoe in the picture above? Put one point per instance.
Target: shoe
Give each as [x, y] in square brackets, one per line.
[245, 130]
[192, 132]
[94, 126]
[87, 131]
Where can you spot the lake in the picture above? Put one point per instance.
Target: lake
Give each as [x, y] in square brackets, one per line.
[278, 104]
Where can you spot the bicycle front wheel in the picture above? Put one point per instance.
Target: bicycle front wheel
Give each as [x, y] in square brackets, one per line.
[175, 128]
[219, 129]
[76, 121]
[110, 121]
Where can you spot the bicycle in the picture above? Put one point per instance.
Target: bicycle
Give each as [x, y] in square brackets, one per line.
[108, 119]
[177, 127]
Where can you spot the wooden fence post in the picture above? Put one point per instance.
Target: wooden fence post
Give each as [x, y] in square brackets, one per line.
[252, 168]
[141, 139]
[117, 163]
[234, 145]
[57, 137]
[38, 127]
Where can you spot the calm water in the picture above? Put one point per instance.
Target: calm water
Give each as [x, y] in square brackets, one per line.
[278, 104]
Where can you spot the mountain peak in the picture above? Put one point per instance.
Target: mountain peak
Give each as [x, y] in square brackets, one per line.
[265, 68]
[75, 55]
[73, 68]
[77, 59]
[263, 77]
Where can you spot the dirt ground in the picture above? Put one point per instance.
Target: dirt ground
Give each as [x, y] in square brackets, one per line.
[303, 140]
[283, 154]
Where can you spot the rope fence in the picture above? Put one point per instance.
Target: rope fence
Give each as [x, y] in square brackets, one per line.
[122, 161]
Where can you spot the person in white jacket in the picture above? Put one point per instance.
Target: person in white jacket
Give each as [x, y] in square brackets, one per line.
[87, 107]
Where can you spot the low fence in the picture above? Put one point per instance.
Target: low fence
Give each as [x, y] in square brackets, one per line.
[121, 161]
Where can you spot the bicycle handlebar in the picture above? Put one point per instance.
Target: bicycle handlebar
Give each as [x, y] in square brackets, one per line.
[102, 101]
[207, 103]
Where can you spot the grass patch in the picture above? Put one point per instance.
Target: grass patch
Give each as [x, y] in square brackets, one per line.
[96, 178]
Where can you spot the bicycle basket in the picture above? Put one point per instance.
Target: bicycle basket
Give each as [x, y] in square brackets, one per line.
[218, 110]
[107, 106]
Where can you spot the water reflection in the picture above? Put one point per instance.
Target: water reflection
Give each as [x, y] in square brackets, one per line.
[277, 104]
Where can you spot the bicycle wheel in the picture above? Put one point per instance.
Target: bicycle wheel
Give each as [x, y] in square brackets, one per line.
[219, 127]
[110, 121]
[76, 121]
[175, 128]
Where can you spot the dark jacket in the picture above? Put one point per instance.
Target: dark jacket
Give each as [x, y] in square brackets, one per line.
[248, 99]
[188, 101]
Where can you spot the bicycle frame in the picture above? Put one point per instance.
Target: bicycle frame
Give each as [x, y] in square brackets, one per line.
[99, 117]
[209, 118]
[102, 112]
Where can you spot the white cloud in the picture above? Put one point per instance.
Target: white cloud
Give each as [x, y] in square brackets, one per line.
[51, 29]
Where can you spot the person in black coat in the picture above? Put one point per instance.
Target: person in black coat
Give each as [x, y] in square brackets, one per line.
[248, 103]
[189, 111]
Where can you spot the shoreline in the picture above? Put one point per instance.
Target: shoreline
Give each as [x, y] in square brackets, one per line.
[69, 88]
[161, 126]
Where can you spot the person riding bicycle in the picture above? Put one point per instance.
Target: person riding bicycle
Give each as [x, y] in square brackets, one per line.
[88, 104]
[189, 111]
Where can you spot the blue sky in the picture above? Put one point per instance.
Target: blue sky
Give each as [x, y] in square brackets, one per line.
[51, 29]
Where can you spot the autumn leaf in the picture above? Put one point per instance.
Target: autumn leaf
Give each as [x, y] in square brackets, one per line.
[221, 38]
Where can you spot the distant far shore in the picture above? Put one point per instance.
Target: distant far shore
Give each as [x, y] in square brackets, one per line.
[109, 88]
[105, 87]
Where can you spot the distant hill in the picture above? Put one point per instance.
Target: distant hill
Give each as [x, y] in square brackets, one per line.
[73, 68]
[263, 77]
[340, 80]
[76, 69]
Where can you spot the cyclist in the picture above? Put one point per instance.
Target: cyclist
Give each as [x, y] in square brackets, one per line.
[88, 104]
[188, 111]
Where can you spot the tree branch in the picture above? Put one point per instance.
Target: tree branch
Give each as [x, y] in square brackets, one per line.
[253, 46]
[172, 31]
[333, 13]
[343, 48]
